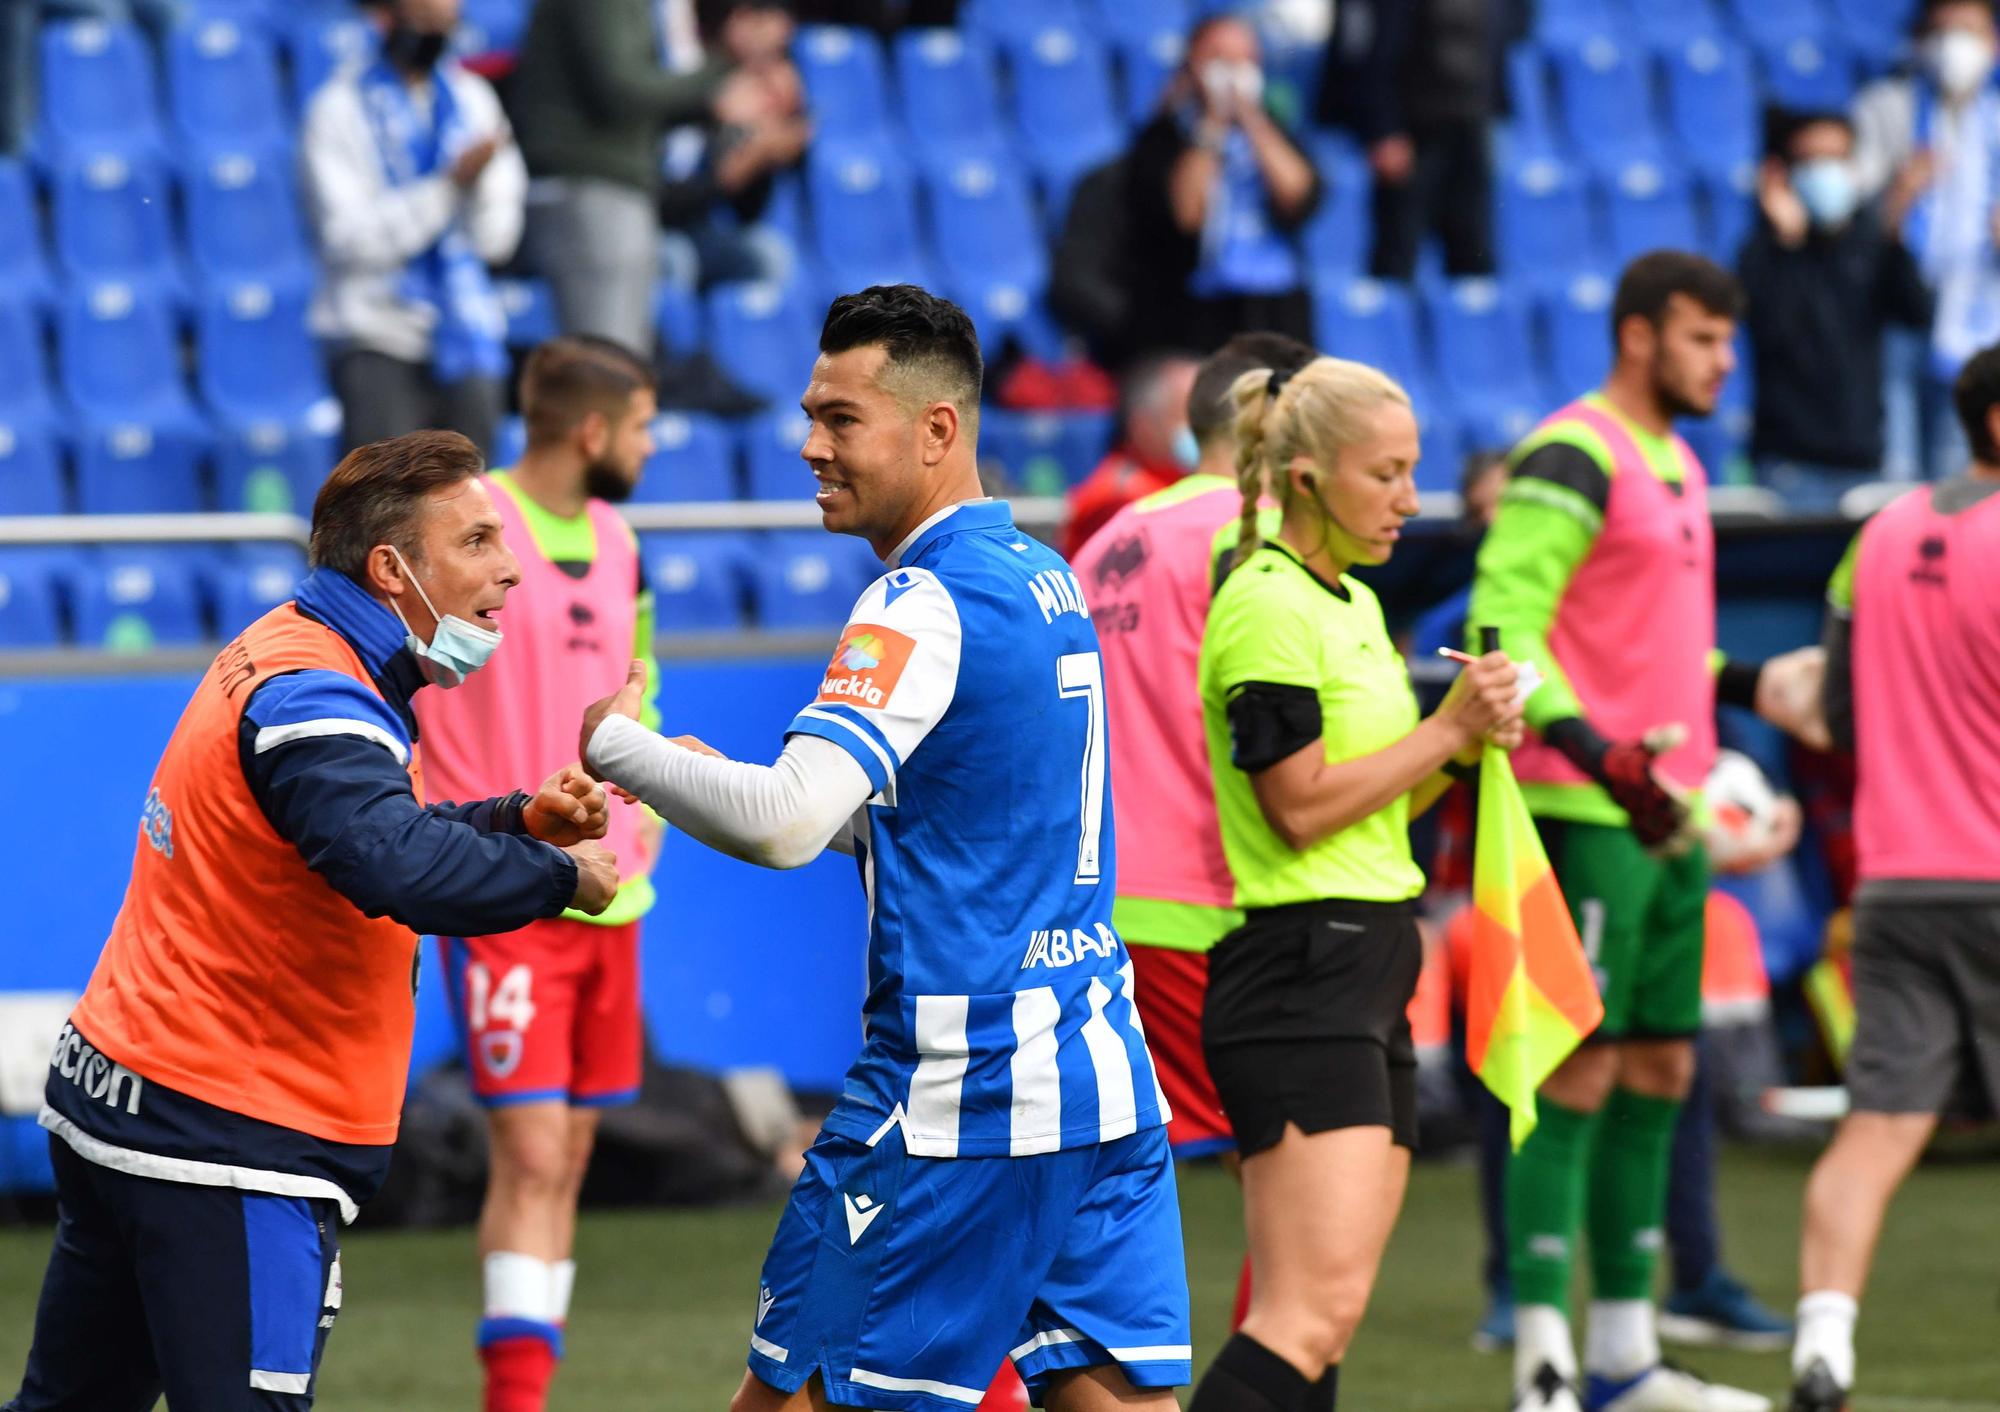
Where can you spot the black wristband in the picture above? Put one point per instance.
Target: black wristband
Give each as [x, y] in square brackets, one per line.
[508, 812]
[1459, 770]
[1580, 744]
[1736, 684]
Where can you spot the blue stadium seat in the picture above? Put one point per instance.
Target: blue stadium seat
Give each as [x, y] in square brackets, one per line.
[982, 224]
[1712, 105]
[319, 44]
[260, 373]
[1548, 225]
[773, 468]
[676, 318]
[1576, 329]
[1062, 103]
[694, 458]
[32, 584]
[1808, 72]
[1665, 28]
[247, 581]
[243, 221]
[1135, 21]
[140, 440]
[1567, 21]
[113, 222]
[1481, 331]
[131, 598]
[1010, 20]
[864, 217]
[1768, 22]
[1146, 64]
[1731, 207]
[1648, 207]
[24, 265]
[222, 83]
[1370, 322]
[491, 27]
[847, 89]
[1043, 453]
[1337, 235]
[530, 308]
[1531, 96]
[950, 99]
[697, 579]
[764, 338]
[97, 90]
[30, 469]
[808, 578]
[1876, 28]
[1606, 99]
[24, 375]
[1001, 310]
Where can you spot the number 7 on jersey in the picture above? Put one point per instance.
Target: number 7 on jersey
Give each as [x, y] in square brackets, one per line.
[1082, 674]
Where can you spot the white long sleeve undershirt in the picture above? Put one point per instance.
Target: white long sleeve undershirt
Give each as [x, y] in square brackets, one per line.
[781, 815]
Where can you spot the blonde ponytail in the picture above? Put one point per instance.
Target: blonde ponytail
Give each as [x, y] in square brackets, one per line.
[1251, 396]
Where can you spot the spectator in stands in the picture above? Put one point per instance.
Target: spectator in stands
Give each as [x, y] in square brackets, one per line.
[1418, 82]
[1155, 447]
[1216, 191]
[1831, 274]
[1090, 279]
[414, 186]
[1929, 145]
[720, 173]
[592, 96]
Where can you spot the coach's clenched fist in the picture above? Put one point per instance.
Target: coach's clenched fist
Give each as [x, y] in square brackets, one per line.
[569, 808]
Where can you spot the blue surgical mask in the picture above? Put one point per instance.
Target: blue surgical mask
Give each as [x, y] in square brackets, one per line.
[457, 648]
[1187, 451]
[1828, 190]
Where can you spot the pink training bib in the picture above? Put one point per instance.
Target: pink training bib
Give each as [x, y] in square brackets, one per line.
[1926, 669]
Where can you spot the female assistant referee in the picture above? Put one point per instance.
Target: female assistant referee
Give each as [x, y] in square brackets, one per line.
[1320, 760]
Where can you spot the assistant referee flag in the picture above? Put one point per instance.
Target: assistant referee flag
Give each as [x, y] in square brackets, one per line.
[1530, 998]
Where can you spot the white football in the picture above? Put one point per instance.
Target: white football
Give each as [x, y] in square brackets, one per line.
[1743, 809]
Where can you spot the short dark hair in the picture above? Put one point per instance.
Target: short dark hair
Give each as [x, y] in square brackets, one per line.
[1210, 409]
[569, 377]
[1653, 279]
[1920, 21]
[930, 342]
[1975, 393]
[376, 496]
[1782, 127]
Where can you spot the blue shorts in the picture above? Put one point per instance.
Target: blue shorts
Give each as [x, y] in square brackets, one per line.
[220, 1299]
[903, 1281]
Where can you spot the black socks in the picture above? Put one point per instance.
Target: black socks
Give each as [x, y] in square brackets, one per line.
[1248, 1377]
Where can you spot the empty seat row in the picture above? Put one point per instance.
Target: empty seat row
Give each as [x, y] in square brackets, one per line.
[1875, 26]
[114, 218]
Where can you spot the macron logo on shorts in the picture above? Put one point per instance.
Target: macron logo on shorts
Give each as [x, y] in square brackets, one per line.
[861, 1213]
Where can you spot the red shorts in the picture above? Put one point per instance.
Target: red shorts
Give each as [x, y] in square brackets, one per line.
[1170, 986]
[548, 1013]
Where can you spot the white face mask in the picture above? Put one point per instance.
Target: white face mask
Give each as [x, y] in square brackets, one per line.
[457, 648]
[1959, 60]
[1223, 78]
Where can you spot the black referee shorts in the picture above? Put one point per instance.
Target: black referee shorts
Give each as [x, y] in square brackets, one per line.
[1307, 1021]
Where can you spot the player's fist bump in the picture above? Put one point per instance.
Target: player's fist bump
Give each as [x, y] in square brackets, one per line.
[625, 701]
[569, 808]
[596, 876]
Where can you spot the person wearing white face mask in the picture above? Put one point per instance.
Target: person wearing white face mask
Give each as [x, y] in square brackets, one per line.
[1831, 274]
[1216, 191]
[1928, 144]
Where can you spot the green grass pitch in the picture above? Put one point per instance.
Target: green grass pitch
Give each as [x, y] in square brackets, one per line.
[664, 1300]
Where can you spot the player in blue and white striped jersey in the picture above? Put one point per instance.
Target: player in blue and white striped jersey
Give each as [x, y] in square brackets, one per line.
[995, 1179]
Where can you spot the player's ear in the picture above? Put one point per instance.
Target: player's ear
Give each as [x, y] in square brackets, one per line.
[940, 431]
[593, 434]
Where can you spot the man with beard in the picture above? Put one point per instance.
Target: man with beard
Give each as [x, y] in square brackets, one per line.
[1600, 569]
[549, 1015]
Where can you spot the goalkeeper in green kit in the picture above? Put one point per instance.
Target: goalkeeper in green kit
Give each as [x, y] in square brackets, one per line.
[1600, 570]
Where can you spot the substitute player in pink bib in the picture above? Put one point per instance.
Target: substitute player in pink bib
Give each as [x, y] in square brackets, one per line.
[549, 1015]
[1913, 688]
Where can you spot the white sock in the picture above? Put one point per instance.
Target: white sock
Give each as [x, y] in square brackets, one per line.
[562, 1280]
[1621, 1340]
[1541, 1335]
[1826, 1330]
[517, 1287]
